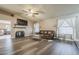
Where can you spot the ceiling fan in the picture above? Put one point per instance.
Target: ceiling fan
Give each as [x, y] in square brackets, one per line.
[32, 12]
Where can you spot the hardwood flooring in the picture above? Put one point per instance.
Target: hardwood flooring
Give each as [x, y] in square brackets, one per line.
[23, 46]
[64, 48]
[28, 46]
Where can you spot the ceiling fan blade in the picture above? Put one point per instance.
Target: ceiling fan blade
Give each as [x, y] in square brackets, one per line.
[25, 10]
[40, 11]
[36, 13]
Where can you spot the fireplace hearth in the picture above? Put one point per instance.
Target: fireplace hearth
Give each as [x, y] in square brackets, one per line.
[19, 34]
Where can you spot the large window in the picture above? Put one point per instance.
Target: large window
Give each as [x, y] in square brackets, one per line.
[66, 27]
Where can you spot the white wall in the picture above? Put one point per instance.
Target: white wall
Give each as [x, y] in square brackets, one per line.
[49, 24]
[77, 27]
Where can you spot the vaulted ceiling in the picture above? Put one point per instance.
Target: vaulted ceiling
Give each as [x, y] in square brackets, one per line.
[48, 10]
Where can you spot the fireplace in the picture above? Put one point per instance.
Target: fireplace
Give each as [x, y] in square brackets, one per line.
[19, 34]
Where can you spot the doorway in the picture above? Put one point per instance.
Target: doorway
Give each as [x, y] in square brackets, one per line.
[5, 29]
[36, 27]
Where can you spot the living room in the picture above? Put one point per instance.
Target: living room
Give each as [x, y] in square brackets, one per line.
[38, 29]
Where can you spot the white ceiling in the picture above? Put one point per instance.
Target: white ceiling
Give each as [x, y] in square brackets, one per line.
[50, 10]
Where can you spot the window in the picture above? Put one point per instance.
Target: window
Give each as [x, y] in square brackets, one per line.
[36, 27]
[64, 27]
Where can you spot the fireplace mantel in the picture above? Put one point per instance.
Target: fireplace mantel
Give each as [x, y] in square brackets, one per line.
[19, 26]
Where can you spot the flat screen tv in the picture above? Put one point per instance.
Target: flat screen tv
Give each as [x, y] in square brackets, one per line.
[22, 22]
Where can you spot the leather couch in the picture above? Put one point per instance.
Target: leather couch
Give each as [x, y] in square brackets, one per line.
[47, 34]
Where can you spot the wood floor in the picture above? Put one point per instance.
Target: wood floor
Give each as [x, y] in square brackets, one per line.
[64, 48]
[28, 46]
